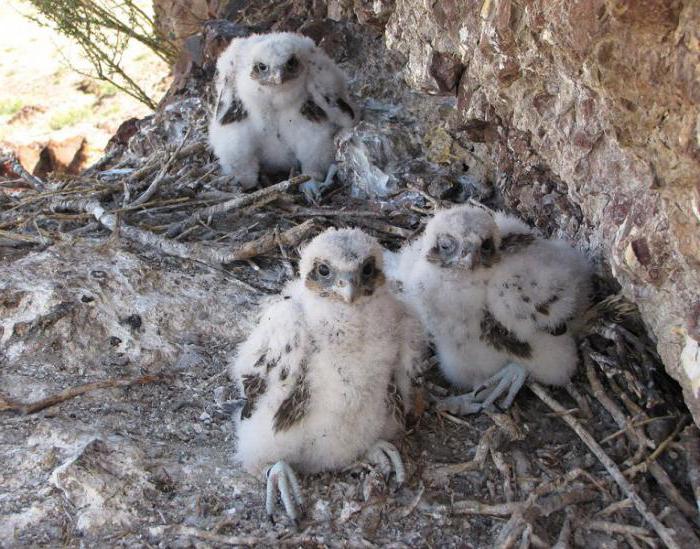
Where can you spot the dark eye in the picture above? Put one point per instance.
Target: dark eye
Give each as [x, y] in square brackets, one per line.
[292, 62]
[260, 67]
[323, 270]
[487, 245]
[368, 269]
[446, 243]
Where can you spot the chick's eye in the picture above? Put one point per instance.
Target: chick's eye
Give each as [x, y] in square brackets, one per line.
[323, 270]
[487, 245]
[260, 67]
[368, 269]
[292, 62]
[446, 244]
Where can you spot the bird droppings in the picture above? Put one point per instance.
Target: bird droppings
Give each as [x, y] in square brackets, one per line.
[138, 466]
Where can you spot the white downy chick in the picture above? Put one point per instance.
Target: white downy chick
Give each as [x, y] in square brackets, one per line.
[326, 373]
[281, 100]
[500, 303]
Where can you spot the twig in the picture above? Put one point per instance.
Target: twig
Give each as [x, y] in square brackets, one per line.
[233, 204]
[17, 168]
[7, 404]
[253, 541]
[609, 465]
[153, 187]
[472, 507]
[691, 444]
[210, 257]
[262, 245]
[24, 238]
[565, 532]
[615, 528]
[438, 471]
[617, 414]
[580, 399]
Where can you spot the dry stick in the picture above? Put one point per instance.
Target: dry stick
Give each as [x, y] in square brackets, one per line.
[565, 532]
[659, 473]
[691, 443]
[617, 414]
[663, 532]
[615, 528]
[24, 238]
[153, 187]
[7, 404]
[184, 250]
[180, 530]
[482, 451]
[235, 203]
[17, 167]
[268, 242]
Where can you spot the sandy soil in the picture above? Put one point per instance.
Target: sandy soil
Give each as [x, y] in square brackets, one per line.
[43, 96]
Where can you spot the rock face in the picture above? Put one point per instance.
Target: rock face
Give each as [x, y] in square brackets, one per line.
[590, 114]
[179, 19]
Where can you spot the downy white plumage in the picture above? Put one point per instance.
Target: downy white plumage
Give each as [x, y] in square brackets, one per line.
[326, 373]
[281, 100]
[500, 303]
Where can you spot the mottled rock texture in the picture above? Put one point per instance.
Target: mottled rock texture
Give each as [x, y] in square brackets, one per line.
[180, 19]
[590, 113]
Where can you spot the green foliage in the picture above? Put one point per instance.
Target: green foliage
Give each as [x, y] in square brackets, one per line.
[8, 107]
[70, 117]
[103, 29]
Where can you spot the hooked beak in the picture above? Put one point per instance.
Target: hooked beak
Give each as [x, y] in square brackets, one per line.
[471, 256]
[347, 289]
[277, 77]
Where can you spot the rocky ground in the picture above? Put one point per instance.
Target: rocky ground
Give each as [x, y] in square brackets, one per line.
[147, 301]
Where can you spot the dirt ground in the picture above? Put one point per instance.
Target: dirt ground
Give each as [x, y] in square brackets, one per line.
[43, 96]
[149, 463]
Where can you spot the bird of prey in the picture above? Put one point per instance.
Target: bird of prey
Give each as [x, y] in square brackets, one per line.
[326, 374]
[281, 100]
[500, 303]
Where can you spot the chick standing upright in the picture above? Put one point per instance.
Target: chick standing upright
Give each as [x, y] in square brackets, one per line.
[281, 100]
[500, 303]
[326, 373]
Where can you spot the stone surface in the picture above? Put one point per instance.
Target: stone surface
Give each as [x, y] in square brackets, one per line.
[67, 156]
[589, 111]
[179, 19]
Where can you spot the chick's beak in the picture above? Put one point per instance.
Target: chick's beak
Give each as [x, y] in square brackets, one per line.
[347, 289]
[277, 77]
[471, 256]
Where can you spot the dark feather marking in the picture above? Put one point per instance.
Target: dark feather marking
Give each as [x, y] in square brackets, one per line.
[394, 402]
[347, 109]
[254, 386]
[313, 112]
[512, 243]
[558, 330]
[271, 364]
[261, 360]
[293, 408]
[543, 308]
[235, 112]
[500, 338]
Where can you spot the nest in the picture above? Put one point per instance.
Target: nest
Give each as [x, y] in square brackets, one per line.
[614, 456]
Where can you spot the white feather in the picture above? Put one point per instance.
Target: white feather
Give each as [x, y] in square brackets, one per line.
[530, 291]
[348, 353]
[274, 135]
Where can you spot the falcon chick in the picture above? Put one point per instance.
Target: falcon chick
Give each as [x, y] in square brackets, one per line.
[281, 100]
[326, 373]
[500, 303]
